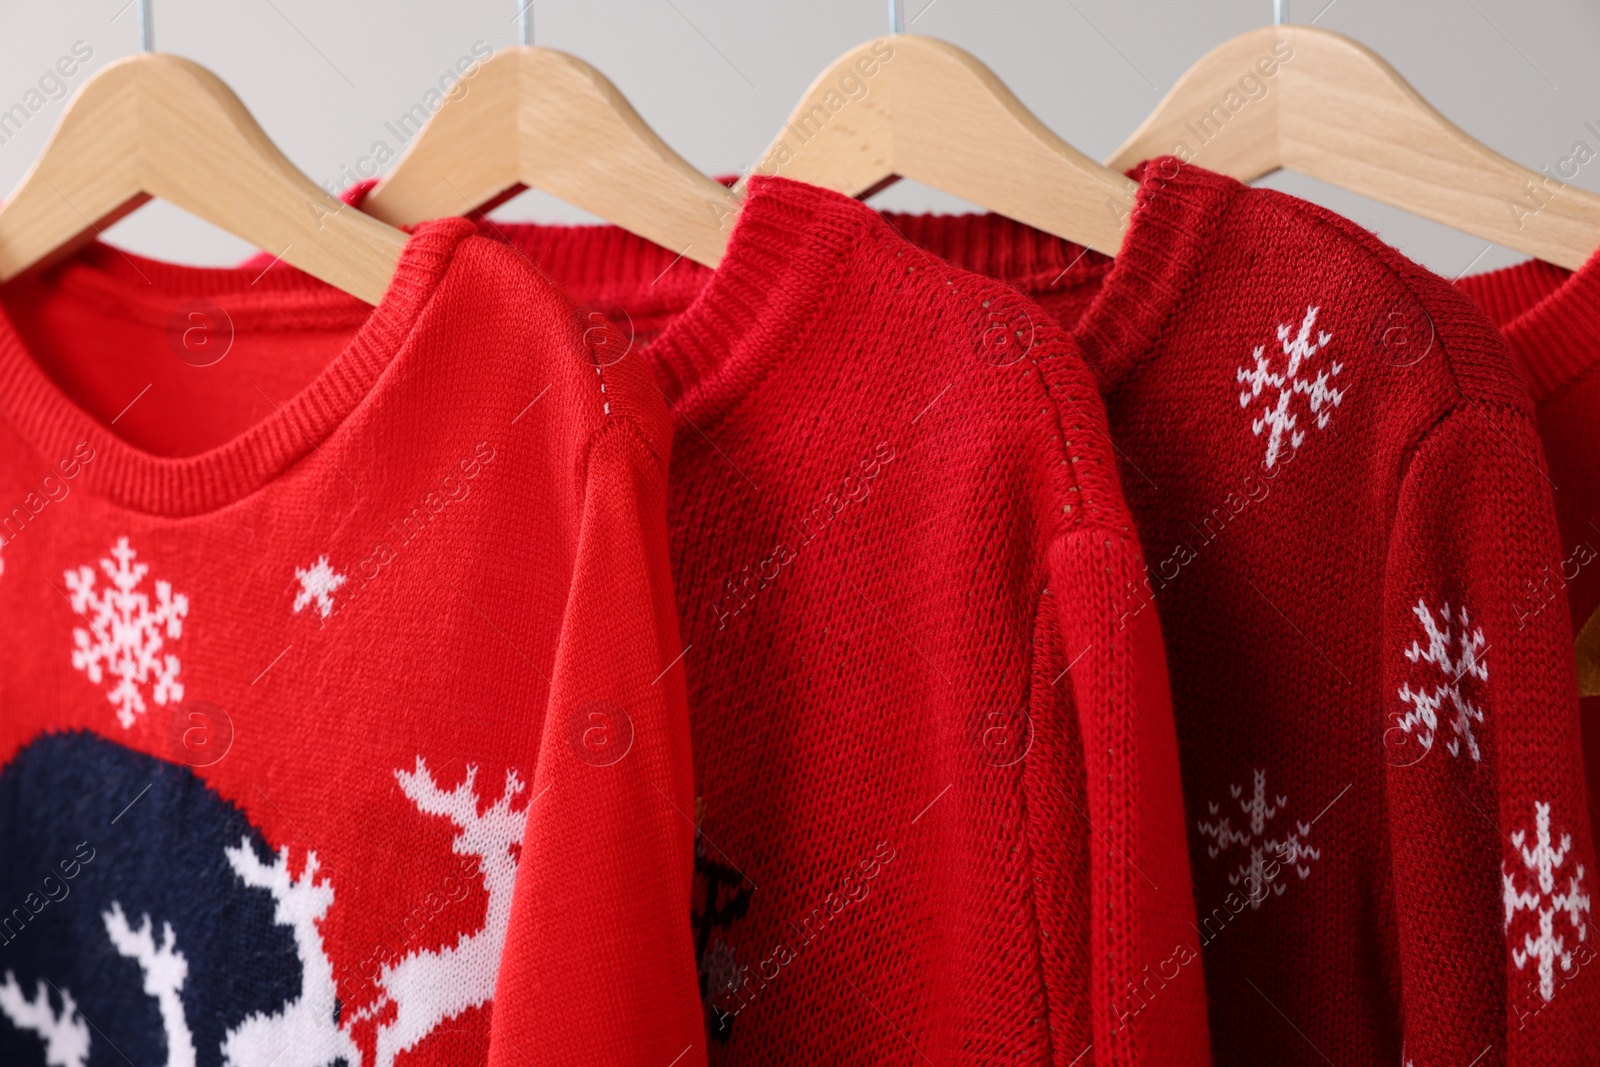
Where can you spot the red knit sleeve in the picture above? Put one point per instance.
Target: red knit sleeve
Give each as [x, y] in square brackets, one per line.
[600, 913]
[1489, 836]
[1147, 990]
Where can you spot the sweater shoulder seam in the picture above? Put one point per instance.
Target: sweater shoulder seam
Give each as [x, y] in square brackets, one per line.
[628, 426]
[1449, 414]
[1429, 292]
[1070, 491]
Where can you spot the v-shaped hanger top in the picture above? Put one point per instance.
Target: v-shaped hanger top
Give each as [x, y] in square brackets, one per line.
[158, 125]
[914, 107]
[1315, 102]
[547, 120]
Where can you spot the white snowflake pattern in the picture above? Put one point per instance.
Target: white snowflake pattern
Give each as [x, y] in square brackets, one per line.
[1543, 901]
[125, 635]
[1456, 649]
[318, 582]
[1321, 397]
[1290, 850]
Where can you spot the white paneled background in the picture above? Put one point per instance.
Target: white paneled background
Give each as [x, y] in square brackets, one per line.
[716, 78]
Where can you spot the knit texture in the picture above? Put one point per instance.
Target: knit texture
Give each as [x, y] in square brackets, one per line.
[937, 775]
[1340, 491]
[341, 716]
[1549, 317]
[1335, 469]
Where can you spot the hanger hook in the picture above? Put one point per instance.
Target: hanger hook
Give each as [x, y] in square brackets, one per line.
[1280, 12]
[525, 21]
[146, 33]
[897, 17]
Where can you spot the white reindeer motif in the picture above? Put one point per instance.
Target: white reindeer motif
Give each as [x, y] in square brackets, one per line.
[165, 970]
[65, 1035]
[304, 1033]
[428, 988]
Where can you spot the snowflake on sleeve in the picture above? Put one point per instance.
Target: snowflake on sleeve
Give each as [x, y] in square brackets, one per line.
[1560, 912]
[1455, 649]
[1276, 420]
[125, 635]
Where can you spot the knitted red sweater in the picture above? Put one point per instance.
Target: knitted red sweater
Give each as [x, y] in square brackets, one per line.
[1548, 316]
[1334, 471]
[1342, 472]
[337, 669]
[940, 811]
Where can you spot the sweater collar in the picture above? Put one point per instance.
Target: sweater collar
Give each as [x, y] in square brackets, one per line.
[1177, 212]
[604, 262]
[1550, 317]
[792, 240]
[722, 328]
[790, 246]
[790, 233]
[50, 422]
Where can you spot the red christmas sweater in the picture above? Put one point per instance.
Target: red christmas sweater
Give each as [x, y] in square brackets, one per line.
[938, 798]
[341, 721]
[1337, 479]
[1342, 484]
[1548, 317]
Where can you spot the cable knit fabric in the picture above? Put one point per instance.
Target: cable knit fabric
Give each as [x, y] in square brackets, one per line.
[341, 663]
[1336, 476]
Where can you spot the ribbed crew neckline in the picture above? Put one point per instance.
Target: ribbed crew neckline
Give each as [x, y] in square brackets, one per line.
[53, 424]
[1177, 212]
[601, 258]
[790, 238]
[1549, 316]
[790, 243]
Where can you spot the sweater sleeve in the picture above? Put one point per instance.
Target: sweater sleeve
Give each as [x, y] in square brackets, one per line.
[1147, 990]
[1488, 827]
[601, 906]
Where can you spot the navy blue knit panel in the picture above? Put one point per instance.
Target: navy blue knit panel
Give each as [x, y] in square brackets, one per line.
[148, 835]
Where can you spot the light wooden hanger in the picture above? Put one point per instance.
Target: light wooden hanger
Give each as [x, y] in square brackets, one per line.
[158, 125]
[932, 112]
[1335, 111]
[547, 120]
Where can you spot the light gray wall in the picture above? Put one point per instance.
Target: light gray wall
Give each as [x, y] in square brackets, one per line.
[716, 78]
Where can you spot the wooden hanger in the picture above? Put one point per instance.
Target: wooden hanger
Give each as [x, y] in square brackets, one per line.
[547, 120]
[1335, 111]
[914, 107]
[158, 125]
